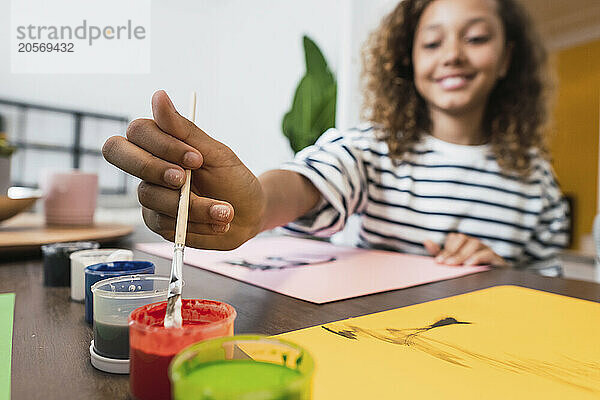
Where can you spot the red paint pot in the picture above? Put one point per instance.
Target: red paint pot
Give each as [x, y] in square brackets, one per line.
[151, 346]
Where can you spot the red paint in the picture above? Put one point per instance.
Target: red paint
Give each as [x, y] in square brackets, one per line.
[152, 346]
[148, 375]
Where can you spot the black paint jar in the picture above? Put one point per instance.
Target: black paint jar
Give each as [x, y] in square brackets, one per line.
[57, 264]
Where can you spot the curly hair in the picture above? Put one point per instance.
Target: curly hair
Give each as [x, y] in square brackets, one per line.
[517, 110]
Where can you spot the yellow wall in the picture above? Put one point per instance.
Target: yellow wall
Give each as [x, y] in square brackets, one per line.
[574, 145]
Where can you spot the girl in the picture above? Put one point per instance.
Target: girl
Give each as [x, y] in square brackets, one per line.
[452, 164]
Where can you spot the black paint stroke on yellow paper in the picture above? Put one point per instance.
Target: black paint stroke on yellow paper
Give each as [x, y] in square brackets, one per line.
[579, 374]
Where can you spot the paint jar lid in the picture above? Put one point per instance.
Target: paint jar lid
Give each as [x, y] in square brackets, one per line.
[119, 268]
[66, 248]
[112, 365]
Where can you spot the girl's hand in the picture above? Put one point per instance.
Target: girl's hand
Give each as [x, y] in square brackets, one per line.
[460, 249]
[157, 151]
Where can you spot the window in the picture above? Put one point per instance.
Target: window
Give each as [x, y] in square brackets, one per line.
[51, 138]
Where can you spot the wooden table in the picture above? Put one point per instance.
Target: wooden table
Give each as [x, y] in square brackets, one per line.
[50, 356]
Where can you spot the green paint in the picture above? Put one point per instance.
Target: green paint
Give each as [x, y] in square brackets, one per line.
[247, 379]
[7, 306]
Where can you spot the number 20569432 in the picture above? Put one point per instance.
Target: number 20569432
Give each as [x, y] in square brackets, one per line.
[46, 47]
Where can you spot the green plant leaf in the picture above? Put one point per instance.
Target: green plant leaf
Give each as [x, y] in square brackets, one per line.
[315, 61]
[313, 106]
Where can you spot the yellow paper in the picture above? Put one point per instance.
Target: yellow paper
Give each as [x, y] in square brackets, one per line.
[505, 342]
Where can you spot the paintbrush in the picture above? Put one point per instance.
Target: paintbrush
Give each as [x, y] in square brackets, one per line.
[173, 314]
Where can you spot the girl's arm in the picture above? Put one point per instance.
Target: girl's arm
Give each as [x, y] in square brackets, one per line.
[288, 196]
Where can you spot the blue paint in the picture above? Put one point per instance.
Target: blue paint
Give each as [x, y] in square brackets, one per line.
[98, 272]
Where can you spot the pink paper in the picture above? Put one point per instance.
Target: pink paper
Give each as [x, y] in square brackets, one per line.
[354, 272]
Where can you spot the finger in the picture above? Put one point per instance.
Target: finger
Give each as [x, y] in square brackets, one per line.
[208, 242]
[146, 134]
[138, 162]
[470, 247]
[432, 247]
[485, 256]
[453, 243]
[170, 121]
[201, 210]
[165, 225]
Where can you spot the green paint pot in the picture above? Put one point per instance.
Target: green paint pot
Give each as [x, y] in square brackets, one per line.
[247, 367]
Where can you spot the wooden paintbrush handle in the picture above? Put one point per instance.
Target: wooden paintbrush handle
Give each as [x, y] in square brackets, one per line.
[184, 195]
[182, 211]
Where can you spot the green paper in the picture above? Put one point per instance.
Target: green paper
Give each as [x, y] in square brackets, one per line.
[7, 306]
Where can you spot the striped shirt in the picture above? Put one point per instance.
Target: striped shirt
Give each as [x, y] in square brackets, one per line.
[439, 189]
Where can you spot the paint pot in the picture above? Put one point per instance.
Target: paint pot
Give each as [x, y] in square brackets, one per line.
[112, 365]
[57, 265]
[114, 300]
[98, 272]
[152, 346]
[242, 366]
[83, 258]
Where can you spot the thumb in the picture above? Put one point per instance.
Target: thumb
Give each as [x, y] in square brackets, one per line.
[170, 121]
[432, 247]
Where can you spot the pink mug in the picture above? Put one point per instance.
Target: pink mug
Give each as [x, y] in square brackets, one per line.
[70, 197]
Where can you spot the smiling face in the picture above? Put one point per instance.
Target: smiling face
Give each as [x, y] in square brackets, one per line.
[458, 55]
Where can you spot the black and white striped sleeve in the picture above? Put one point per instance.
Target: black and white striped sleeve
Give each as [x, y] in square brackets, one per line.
[334, 165]
[551, 234]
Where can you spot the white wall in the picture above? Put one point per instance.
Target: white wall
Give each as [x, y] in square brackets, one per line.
[361, 17]
[244, 59]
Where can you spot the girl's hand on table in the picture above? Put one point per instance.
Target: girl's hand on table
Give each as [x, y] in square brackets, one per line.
[460, 249]
[157, 151]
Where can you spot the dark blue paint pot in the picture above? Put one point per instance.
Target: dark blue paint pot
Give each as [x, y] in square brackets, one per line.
[98, 272]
